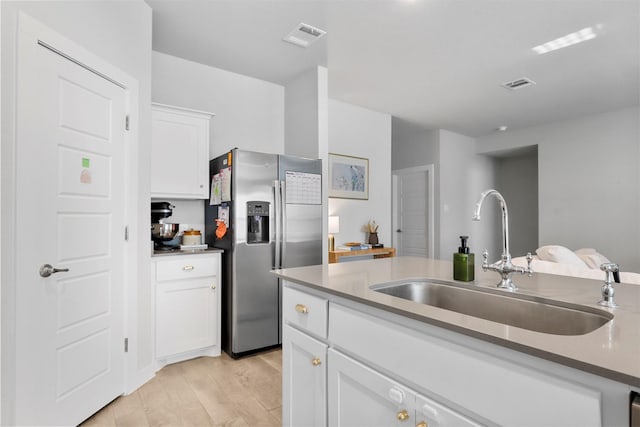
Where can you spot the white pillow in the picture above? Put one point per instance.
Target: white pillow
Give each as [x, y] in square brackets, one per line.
[593, 260]
[585, 251]
[559, 254]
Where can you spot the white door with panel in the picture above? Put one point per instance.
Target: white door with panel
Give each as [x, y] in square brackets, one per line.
[70, 232]
[413, 215]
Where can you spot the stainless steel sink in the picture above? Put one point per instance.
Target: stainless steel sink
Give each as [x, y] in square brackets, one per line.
[523, 311]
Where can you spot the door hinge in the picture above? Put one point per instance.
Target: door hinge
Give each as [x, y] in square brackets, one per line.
[126, 233]
[126, 122]
[126, 345]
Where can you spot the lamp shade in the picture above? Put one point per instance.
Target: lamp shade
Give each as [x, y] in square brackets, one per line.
[334, 224]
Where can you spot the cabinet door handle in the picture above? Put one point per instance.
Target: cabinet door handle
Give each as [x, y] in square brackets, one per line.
[402, 415]
[422, 424]
[316, 361]
[302, 309]
[188, 267]
[213, 286]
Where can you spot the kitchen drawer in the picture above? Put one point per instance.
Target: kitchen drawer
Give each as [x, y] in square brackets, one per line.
[186, 267]
[305, 311]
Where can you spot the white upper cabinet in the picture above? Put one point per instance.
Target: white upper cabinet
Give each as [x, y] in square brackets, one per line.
[179, 152]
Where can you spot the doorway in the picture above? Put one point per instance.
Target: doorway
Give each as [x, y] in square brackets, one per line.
[413, 211]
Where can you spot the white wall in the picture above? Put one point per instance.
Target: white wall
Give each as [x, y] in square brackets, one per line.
[460, 177]
[487, 233]
[463, 176]
[91, 25]
[517, 181]
[249, 113]
[589, 182]
[306, 126]
[412, 147]
[301, 115]
[323, 150]
[359, 132]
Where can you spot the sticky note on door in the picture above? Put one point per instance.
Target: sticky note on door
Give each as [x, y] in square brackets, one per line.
[86, 162]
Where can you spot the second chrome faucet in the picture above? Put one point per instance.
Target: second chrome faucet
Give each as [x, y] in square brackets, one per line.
[504, 267]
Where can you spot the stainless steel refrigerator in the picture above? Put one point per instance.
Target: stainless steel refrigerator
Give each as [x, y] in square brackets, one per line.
[273, 208]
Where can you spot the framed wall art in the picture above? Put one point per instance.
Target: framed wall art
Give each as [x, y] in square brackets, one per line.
[348, 177]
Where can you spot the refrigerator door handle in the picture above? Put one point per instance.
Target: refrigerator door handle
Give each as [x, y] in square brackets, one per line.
[283, 215]
[277, 222]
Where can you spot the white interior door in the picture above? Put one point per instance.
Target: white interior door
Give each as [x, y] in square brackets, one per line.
[413, 213]
[70, 214]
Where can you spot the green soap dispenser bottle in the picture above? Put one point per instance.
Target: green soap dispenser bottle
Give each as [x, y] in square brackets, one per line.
[463, 262]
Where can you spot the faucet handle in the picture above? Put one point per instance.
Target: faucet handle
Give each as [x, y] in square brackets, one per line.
[607, 289]
[609, 268]
[529, 269]
[485, 258]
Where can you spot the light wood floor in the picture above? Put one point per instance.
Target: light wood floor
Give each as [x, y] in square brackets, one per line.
[208, 391]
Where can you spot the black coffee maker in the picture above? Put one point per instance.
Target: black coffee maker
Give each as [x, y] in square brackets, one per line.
[161, 233]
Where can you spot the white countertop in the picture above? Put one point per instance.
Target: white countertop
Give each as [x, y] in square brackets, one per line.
[611, 351]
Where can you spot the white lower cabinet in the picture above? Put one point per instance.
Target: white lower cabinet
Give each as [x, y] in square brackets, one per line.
[187, 307]
[306, 359]
[359, 395]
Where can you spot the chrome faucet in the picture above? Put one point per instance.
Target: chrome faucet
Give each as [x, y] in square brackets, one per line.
[607, 289]
[504, 267]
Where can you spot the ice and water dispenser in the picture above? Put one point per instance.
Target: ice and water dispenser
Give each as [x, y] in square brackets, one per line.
[257, 222]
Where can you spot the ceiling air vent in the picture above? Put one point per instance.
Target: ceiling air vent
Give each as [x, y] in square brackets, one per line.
[303, 35]
[518, 83]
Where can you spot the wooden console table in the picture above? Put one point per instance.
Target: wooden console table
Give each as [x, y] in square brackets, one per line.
[334, 256]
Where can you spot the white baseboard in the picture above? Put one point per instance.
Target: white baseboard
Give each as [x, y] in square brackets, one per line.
[140, 377]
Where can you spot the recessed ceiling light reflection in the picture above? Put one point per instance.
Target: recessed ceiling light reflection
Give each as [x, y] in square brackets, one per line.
[565, 41]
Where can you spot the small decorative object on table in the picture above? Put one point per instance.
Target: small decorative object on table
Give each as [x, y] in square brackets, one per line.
[372, 228]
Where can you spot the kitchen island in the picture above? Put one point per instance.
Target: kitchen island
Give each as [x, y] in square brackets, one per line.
[354, 355]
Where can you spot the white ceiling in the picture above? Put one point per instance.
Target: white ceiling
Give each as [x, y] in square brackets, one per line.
[433, 63]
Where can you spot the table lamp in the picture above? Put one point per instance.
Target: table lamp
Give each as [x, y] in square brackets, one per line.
[334, 228]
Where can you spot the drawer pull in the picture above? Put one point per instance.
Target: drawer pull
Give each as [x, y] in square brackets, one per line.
[302, 309]
[188, 267]
[402, 415]
[213, 286]
[422, 424]
[316, 361]
[396, 395]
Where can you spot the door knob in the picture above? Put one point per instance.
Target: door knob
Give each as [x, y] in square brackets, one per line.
[47, 270]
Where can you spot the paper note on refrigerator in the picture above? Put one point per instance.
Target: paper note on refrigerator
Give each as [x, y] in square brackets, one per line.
[216, 190]
[303, 188]
[225, 184]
